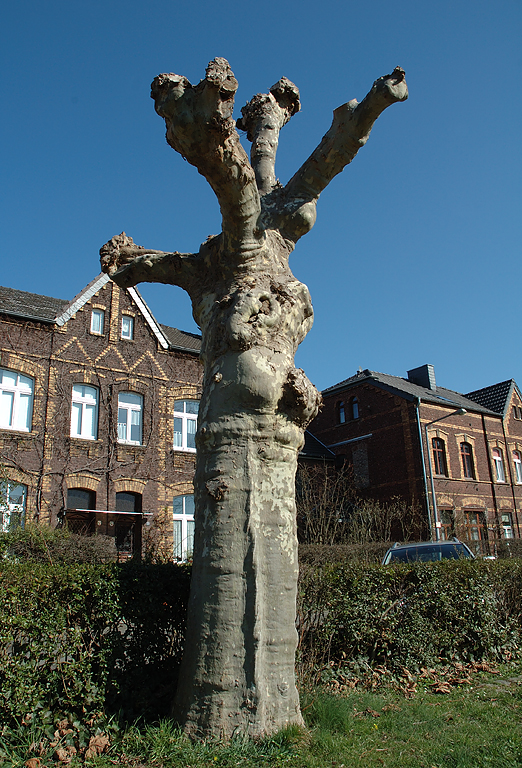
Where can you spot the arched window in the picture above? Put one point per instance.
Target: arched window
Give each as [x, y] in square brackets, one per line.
[498, 463]
[183, 518]
[341, 414]
[13, 498]
[354, 404]
[127, 501]
[16, 400]
[466, 454]
[439, 456]
[517, 461]
[84, 412]
[81, 498]
[185, 424]
[130, 407]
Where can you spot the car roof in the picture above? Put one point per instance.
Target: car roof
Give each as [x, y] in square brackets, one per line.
[416, 544]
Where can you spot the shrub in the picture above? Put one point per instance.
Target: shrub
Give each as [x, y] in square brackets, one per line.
[409, 615]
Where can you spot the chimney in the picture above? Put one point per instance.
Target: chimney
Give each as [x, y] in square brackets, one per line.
[424, 376]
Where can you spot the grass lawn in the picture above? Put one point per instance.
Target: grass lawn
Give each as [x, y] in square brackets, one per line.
[473, 724]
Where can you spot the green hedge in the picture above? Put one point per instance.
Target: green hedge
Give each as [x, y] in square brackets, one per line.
[410, 615]
[78, 640]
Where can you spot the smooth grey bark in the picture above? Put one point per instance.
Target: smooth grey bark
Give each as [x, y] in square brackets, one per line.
[238, 668]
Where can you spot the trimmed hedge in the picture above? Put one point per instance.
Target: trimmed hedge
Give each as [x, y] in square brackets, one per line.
[410, 615]
[82, 640]
[79, 640]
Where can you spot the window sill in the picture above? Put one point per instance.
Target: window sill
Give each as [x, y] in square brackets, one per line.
[130, 445]
[184, 450]
[15, 429]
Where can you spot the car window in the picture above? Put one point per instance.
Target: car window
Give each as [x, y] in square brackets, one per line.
[427, 554]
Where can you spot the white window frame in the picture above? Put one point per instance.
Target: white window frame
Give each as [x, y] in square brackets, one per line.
[127, 332]
[133, 412]
[517, 461]
[507, 525]
[8, 507]
[97, 321]
[183, 527]
[498, 461]
[81, 404]
[16, 400]
[185, 426]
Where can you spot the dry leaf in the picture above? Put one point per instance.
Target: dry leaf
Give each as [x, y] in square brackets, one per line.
[97, 745]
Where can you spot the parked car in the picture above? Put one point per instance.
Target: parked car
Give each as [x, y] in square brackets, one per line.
[427, 551]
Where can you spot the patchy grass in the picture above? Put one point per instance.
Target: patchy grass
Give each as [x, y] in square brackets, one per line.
[438, 722]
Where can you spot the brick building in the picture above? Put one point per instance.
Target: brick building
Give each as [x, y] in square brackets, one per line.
[458, 457]
[98, 408]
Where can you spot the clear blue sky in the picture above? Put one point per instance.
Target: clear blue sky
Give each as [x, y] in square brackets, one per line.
[415, 256]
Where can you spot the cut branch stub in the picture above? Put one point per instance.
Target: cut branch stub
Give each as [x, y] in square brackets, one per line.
[263, 117]
[350, 129]
[201, 128]
[129, 264]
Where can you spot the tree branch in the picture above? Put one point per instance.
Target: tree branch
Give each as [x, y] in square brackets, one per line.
[263, 117]
[201, 128]
[129, 264]
[350, 129]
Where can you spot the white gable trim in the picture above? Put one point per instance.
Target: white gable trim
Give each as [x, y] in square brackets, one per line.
[82, 298]
[147, 314]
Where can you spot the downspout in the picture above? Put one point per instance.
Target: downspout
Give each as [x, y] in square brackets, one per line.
[508, 460]
[423, 462]
[491, 475]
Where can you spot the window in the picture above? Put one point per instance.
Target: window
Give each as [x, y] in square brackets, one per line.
[474, 529]
[127, 327]
[127, 501]
[16, 400]
[507, 526]
[517, 461]
[354, 408]
[97, 321]
[439, 456]
[12, 505]
[447, 524]
[185, 424]
[466, 454]
[341, 414]
[84, 412]
[183, 516]
[80, 498]
[498, 463]
[517, 412]
[130, 407]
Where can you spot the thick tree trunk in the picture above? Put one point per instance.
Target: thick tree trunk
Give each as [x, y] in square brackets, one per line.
[237, 675]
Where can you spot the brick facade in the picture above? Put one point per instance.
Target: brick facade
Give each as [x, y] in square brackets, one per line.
[57, 349]
[377, 422]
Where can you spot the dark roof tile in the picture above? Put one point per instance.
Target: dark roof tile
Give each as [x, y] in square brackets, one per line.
[30, 305]
[182, 339]
[411, 391]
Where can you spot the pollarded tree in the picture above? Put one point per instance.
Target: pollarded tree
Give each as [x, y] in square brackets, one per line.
[238, 669]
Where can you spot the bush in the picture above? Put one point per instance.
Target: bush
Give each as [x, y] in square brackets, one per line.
[409, 615]
[47, 545]
[78, 640]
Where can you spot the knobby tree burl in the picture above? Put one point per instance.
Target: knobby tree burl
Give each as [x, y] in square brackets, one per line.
[238, 669]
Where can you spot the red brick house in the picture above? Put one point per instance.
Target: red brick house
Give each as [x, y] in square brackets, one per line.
[98, 409]
[458, 457]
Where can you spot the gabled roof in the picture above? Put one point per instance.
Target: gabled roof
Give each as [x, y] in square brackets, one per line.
[410, 391]
[496, 397]
[30, 305]
[190, 342]
[33, 306]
